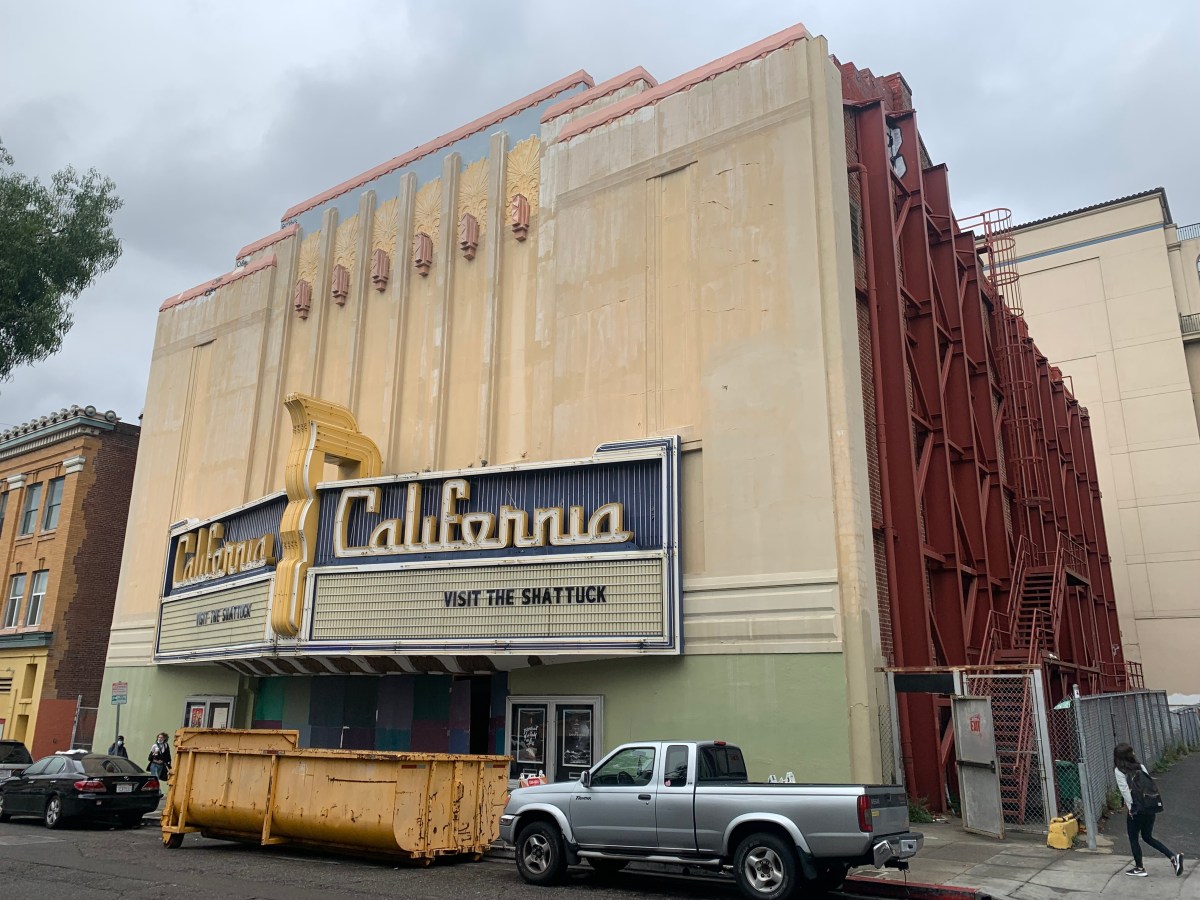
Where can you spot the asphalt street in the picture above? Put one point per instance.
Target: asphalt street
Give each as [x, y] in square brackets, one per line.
[85, 862]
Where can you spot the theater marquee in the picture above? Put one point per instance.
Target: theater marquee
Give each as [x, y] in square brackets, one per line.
[571, 557]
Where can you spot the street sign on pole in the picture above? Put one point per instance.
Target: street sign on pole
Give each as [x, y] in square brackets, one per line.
[120, 692]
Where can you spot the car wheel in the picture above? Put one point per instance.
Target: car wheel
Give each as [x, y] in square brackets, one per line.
[54, 816]
[4, 816]
[765, 867]
[541, 856]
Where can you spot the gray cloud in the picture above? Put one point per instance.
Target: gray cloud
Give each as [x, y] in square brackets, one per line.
[214, 118]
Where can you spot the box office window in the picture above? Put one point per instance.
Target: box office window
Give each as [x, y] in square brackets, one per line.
[553, 736]
[33, 499]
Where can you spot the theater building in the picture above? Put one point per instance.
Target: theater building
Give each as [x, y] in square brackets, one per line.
[560, 430]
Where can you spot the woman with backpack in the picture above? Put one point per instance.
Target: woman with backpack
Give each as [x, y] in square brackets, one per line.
[1143, 803]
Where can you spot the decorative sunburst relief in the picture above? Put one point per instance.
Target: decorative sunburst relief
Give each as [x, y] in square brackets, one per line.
[384, 230]
[521, 185]
[472, 206]
[306, 274]
[427, 221]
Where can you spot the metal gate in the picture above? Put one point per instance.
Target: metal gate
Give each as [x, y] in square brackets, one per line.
[1020, 726]
[978, 772]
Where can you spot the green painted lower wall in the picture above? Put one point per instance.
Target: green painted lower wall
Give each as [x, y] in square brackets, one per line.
[788, 712]
[156, 697]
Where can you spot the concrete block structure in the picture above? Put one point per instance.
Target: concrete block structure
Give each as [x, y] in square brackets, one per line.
[65, 482]
[631, 408]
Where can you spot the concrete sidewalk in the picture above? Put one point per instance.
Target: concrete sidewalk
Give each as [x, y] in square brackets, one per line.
[1022, 867]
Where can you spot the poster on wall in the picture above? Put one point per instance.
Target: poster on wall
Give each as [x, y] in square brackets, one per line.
[530, 735]
[574, 736]
[220, 717]
[196, 716]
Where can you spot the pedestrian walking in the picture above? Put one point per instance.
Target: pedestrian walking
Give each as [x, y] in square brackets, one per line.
[1143, 803]
[117, 747]
[160, 757]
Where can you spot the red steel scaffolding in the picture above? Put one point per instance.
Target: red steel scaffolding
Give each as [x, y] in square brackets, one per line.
[988, 533]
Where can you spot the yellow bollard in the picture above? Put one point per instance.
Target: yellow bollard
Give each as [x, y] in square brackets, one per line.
[1063, 831]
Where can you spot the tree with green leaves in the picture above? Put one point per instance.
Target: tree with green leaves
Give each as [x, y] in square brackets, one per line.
[55, 239]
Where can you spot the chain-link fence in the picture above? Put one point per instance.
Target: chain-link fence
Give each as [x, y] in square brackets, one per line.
[84, 728]
[888, 749]
[1091, 726]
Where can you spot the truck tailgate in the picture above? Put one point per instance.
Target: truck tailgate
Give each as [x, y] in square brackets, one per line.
[889, 809]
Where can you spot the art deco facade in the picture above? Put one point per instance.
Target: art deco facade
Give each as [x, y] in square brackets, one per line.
[628, 409]
[65, 481]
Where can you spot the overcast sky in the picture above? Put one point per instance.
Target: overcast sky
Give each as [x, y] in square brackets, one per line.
[215, 117]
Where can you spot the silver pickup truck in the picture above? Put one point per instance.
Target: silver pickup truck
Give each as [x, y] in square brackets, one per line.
[690, 803]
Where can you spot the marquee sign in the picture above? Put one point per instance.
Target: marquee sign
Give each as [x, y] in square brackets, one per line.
[576, 556]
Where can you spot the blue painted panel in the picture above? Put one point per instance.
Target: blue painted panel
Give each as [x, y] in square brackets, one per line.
[262, 518]
[638, 484]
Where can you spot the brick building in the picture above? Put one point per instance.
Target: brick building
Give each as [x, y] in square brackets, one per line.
[65, 481]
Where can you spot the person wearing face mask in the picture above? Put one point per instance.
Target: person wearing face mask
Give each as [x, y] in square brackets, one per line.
[117, 748]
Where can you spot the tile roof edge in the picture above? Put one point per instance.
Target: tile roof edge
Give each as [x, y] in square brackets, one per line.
[441, 142]
[264, 242]
[614, 84]
[683, 82]
[228, 278]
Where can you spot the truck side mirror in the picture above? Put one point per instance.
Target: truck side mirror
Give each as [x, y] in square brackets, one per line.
[585, 778]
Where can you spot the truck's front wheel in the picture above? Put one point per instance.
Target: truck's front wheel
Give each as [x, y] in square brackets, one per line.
[765, 867]
[541, 857]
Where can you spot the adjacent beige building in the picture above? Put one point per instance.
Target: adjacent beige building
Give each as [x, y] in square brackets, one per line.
[1113, 293]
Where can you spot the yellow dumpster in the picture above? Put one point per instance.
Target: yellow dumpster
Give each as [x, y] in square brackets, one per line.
[254, 785]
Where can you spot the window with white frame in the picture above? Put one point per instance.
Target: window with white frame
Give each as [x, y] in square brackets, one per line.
[33, 612]
[33, 498]
[12, 606]
[54, 495]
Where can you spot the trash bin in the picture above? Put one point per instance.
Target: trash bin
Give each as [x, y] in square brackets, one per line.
[1066, 773]
[258, 786]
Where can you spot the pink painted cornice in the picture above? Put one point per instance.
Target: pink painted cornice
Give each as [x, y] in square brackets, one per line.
[200, 290]
[601, 90]
[681, 83]
[263, 243]
[492, 118]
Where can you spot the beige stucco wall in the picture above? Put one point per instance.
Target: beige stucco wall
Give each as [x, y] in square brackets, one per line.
[1098, 292]
[687, 271]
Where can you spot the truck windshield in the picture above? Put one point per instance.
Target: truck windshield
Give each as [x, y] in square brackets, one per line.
[723, 765]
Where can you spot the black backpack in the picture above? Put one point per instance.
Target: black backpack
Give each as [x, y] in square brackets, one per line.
[1146, 798]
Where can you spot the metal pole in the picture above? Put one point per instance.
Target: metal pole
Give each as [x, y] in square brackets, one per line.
[1085, 783]
[1045, 752]
[75, 721]
[117, 732]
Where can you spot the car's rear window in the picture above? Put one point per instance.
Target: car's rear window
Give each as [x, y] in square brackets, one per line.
[14, 752]
[722, 764]
[109, 765]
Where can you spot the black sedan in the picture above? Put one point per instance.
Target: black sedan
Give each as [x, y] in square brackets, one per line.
[73, 785]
